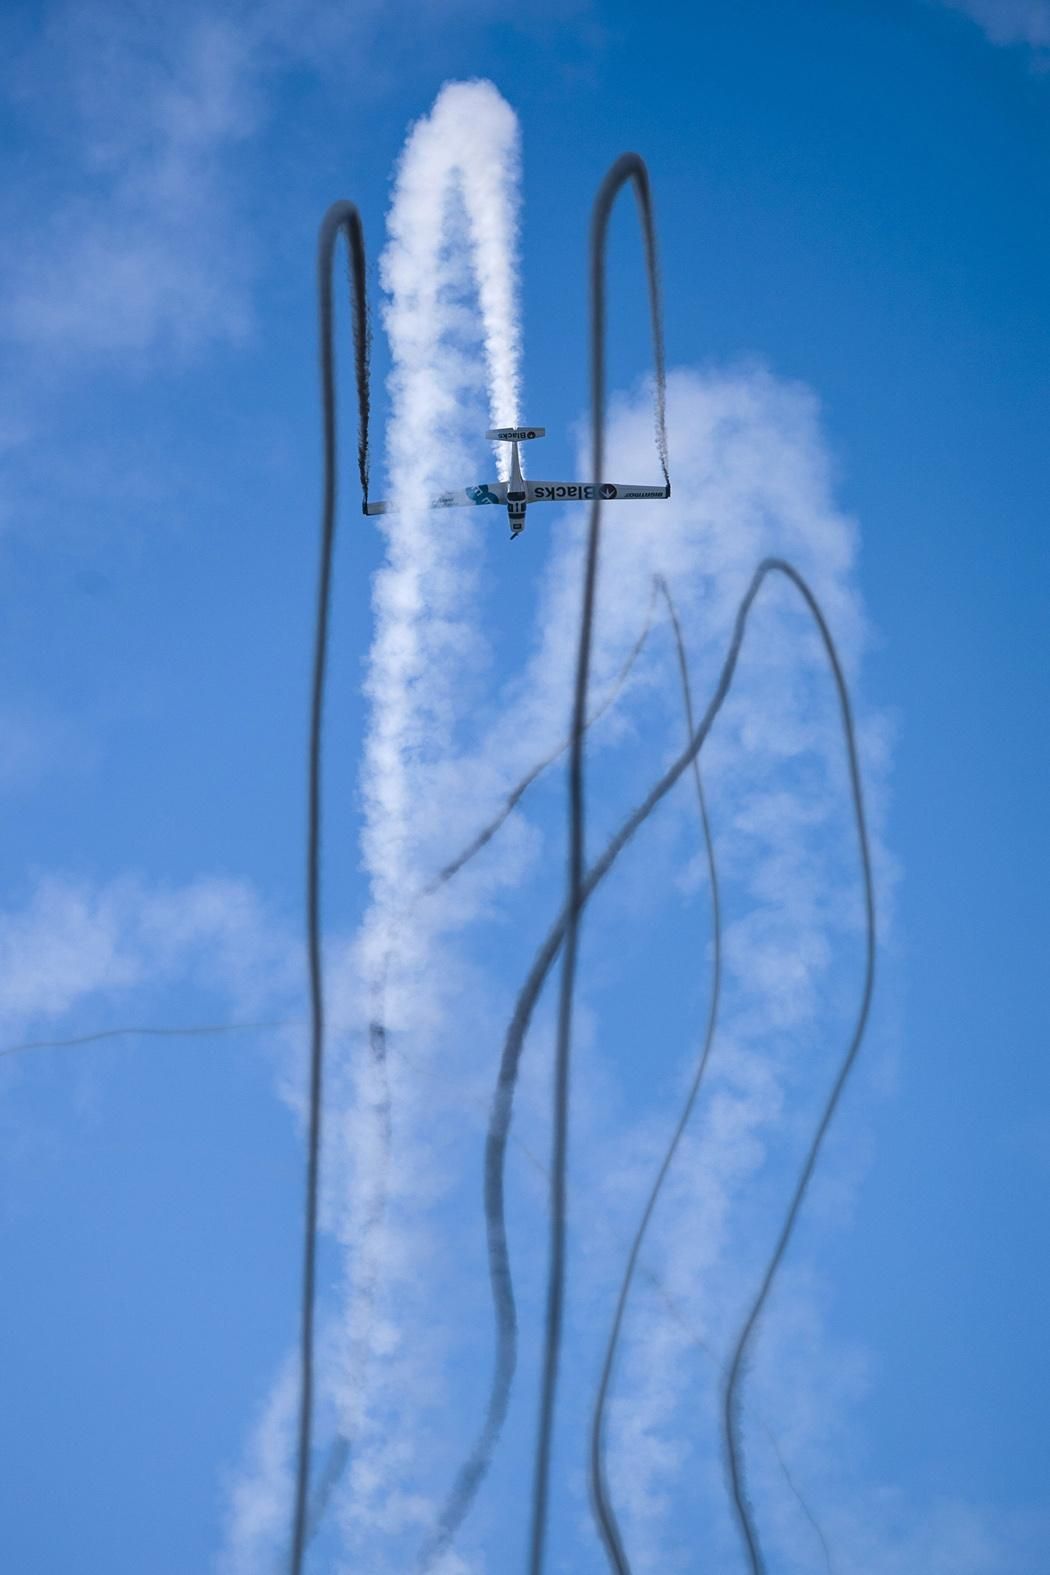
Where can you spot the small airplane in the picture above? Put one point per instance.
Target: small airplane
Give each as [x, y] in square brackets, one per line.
[517, 493]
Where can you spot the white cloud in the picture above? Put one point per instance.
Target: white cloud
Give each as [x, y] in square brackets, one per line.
[1010, 21]
[126, 222]
[75, 943]
[137, 250]
[260, 1496]
[33, 745]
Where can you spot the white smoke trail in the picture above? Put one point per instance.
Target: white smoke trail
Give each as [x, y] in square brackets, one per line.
[450, 280]
[456, 193]
[452, 237]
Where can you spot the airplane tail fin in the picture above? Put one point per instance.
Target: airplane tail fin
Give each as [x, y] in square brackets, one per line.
[515, 434]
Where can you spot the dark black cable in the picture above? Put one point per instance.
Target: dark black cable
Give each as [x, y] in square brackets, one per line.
[341, 216]
[628, 167]
[604, 1514]
[500, 1277]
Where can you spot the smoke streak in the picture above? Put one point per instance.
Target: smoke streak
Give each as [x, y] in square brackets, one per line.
[451, 228]
[503, 1098]
[341, 216]
[731, 1406]
[629, 167]
[515, 796]
[339, 1452]
[190, 1031]
[604, 1514]
[416, 225]
[418, 786]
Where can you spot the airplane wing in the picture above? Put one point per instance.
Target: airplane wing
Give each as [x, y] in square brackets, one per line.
[608, 491]
[484, 492]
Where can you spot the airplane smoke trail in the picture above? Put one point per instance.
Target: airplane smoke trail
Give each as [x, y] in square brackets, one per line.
[731, 1404]
[476, 1465]
[629, 167]
[467, 148]
[451, 230]
[503, 1098]
[135, 1031]
[604, 1514]
[425, 776]
[341, 216]
[516, 794]
[339, 1452]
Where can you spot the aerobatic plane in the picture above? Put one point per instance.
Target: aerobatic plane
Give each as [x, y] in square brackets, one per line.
[517, 493]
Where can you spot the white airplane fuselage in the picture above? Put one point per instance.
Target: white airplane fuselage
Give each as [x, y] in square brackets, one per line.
[516, 493]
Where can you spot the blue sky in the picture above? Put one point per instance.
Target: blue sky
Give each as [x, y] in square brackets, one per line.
[851, 204]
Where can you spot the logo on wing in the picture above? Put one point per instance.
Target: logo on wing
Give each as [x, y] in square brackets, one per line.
[607, 489]
[482, 494]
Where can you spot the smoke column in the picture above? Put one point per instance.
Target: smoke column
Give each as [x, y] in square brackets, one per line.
[452, 233]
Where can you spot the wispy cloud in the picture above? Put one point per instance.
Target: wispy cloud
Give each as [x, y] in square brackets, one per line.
[75, 944]
[124, 220]
[135, 248]
[257, 1521]
[1010, 21]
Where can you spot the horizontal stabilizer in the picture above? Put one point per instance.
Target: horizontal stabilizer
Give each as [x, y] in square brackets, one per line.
[515, 434]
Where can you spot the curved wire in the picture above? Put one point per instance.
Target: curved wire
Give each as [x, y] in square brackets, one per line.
[341, 217]
[604, 1514]
[629, 167]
